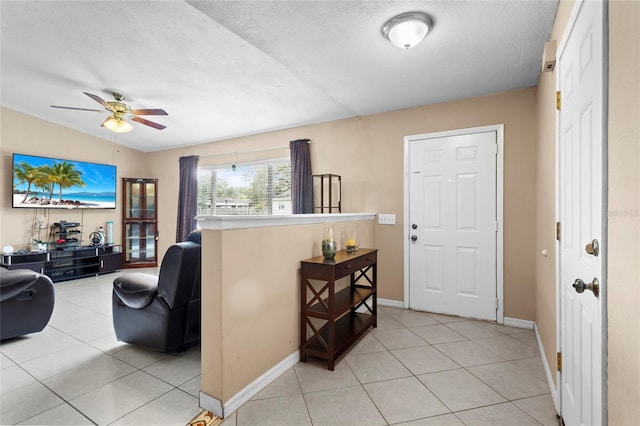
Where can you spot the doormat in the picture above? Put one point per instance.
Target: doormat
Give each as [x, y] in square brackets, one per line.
[205, 418]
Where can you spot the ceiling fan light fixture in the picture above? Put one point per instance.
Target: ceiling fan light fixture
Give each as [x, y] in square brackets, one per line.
[117, 125]
[408, 29]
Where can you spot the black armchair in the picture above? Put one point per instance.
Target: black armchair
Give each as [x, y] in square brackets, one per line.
[26, 302]
[161, 313]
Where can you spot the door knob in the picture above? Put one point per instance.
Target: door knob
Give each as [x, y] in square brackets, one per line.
[593, 248]
[414, 238]
[581, 286]
[414, 226]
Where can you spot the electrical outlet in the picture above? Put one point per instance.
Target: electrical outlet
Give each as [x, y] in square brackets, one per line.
[387, 219]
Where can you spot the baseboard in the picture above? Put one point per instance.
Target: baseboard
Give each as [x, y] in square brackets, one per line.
[212, 404]
[391, 303]
[547, 370]
[519, 323]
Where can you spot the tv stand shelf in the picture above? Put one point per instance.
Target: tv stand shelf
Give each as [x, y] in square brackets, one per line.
[66, 235]
[330, 320]
[68, 263]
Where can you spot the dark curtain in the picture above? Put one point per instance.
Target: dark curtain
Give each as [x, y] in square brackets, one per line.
[187, 197]
[301, 177]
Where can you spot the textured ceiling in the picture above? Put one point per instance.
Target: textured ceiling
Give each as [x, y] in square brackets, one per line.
[223, 69]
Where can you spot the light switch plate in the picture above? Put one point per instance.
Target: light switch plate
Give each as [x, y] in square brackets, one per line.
[387, 219]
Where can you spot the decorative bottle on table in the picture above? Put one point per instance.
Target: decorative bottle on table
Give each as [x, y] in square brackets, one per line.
[328, 243]
[101, 234]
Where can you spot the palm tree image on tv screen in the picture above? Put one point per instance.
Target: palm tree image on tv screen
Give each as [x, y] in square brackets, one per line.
[56, 183]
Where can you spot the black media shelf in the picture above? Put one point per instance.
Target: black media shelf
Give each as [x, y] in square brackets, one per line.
[68, 263]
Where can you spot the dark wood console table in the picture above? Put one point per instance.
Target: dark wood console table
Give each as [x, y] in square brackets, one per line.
[330, 320]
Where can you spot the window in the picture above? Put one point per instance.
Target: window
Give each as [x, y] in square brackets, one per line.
[262, 188]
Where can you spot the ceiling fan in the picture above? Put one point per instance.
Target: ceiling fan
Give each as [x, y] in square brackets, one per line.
[116, 122]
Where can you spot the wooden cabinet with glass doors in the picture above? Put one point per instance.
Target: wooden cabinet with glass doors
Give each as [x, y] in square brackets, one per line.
[140, 222]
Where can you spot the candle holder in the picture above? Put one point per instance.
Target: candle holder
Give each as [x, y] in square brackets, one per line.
[351, 243]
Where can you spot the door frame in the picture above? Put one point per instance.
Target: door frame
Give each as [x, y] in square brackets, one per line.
[605, 177]
[499, 129]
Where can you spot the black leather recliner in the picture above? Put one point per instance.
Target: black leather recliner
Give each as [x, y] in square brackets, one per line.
[26, 302]
[161, 313]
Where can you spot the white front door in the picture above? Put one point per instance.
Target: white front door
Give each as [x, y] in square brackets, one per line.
[580, 186]
[453, 223]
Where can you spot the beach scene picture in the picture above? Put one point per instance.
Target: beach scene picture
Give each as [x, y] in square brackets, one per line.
[56, 183]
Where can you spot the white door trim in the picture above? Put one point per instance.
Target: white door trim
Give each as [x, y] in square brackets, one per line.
[603, 282]
[499, 129]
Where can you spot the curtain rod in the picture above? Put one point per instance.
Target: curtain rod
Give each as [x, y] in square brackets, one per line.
[246, 152]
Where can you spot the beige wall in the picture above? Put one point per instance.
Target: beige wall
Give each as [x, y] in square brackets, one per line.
[25, 134]
[545, 267]
[251, 307]
[623, 264]
[368, 153]
[624, 214]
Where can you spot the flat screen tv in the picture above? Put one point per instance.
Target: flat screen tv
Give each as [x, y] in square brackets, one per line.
[46, 182]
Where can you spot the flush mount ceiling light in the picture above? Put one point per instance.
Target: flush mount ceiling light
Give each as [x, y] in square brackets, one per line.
[408, 29]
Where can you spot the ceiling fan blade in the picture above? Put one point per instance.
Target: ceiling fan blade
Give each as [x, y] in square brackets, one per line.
[79, 109]
[148, 123]
[99, 100]
[156, 111]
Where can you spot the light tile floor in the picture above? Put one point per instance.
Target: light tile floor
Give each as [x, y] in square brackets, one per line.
[414, 369]
[75, 372]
